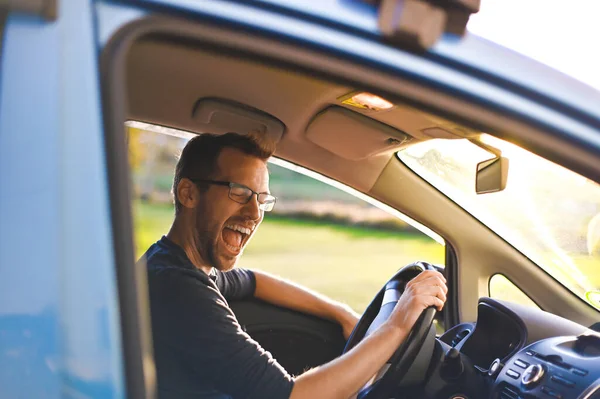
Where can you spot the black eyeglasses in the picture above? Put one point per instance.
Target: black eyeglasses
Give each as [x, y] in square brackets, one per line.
[242, 194]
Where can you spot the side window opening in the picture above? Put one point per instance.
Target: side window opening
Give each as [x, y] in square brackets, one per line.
[318, 235]
[500, 287]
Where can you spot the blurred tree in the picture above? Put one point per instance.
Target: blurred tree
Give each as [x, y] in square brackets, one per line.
[137, 152]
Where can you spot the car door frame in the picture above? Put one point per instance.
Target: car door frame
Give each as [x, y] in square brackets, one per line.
[300, 42]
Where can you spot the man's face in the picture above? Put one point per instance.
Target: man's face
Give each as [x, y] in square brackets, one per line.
[223, 226]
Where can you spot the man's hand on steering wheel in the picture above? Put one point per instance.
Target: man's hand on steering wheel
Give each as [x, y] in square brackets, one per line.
[425, 290]
[394, 333]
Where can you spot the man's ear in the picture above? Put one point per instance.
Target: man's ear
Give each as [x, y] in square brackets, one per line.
[187, 193]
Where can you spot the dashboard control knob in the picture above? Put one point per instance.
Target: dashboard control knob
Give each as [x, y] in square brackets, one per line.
[495, 368]
[532, 375]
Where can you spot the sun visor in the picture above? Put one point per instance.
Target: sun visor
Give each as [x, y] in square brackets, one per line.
[215, 115]
[352, 135]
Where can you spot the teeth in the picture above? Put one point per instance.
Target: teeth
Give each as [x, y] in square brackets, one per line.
[241, 229]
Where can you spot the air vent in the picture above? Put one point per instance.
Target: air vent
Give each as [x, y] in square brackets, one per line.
[459, 337]
[509, 392]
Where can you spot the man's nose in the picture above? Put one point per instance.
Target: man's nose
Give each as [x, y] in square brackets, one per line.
[251, 208]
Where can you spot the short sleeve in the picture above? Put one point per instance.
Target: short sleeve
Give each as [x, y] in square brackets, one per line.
[236, 283]
[193, 320]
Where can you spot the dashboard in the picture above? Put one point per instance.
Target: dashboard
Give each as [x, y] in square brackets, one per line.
[524, 352]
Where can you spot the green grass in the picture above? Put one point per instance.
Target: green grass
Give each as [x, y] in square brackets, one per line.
[346, 263]
[151, 222]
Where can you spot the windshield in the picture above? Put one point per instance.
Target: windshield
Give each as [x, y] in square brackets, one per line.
[547, 212]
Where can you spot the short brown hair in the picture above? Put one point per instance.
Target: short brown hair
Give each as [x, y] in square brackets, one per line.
[199, 156]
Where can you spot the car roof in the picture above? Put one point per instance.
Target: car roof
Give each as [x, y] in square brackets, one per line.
[473, 53]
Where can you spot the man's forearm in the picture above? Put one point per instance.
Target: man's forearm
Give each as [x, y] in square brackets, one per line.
[344, 376]
[286, 294]
[347, 374]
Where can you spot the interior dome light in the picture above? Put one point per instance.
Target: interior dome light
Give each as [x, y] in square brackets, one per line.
[368, 101]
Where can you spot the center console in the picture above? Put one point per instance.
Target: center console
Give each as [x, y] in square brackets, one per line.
[562, 367]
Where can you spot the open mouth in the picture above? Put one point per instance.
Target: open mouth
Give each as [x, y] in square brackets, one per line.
[235, 237]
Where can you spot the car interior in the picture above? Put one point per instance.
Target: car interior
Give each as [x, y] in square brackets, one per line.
[201, 78]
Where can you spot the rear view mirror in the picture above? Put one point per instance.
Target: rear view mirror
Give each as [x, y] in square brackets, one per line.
[492, 175]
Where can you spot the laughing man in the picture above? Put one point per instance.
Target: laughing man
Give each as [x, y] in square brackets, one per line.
[221, 192]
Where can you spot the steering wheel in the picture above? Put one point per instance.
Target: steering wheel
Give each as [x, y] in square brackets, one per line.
[416, 348]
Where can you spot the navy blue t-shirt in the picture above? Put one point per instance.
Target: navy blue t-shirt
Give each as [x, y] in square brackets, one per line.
[199, 347]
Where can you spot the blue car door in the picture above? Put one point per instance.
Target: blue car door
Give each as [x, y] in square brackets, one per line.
[59, 317]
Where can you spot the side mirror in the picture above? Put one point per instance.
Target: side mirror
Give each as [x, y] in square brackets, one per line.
[492, 175]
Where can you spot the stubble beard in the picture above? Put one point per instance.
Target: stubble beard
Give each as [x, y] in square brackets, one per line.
[206, 242]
